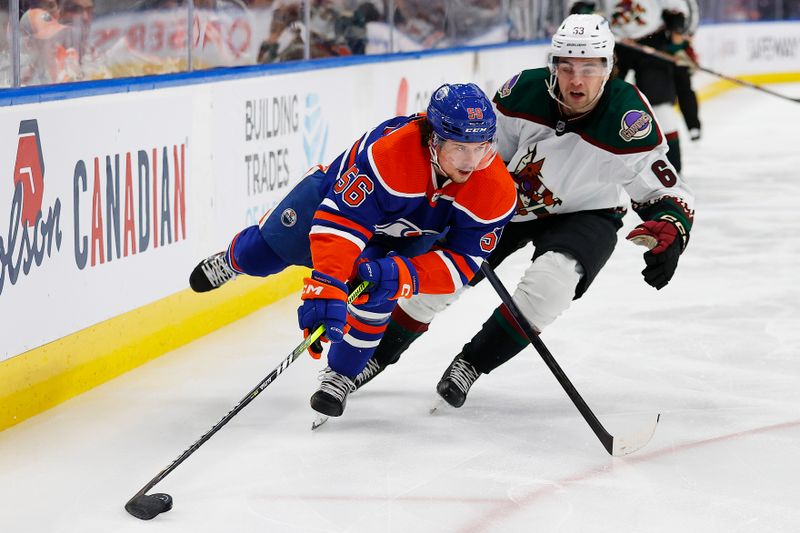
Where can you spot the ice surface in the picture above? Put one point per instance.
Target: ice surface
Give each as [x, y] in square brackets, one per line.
[717, 353]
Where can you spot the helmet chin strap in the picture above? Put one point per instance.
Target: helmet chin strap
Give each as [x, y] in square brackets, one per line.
[435, 160]
[552, 85]
[437, 167]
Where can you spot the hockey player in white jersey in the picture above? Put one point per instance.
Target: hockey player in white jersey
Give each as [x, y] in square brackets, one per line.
[657, 24]
[580, 145]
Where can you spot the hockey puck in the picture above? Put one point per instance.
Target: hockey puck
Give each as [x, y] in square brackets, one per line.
[149, 506]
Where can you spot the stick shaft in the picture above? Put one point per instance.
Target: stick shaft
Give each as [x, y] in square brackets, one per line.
[317, 333]
[605, 437]
[671, 59]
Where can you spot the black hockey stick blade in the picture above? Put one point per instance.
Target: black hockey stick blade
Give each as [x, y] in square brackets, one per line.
[616, 446]
[147, 506]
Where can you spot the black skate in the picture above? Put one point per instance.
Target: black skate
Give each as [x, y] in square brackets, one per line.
[331, 397]
[456, 381]
[372, 369]
[211, 273]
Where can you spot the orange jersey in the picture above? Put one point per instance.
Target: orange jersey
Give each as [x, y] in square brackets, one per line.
[385, 184]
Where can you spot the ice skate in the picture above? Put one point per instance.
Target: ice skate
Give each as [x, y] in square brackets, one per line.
[372, 369]
[331, 397]
[456, 381]
[211, 273]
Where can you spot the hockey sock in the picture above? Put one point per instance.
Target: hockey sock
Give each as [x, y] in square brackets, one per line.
[498, 341]
[400, 333]
[674, 152]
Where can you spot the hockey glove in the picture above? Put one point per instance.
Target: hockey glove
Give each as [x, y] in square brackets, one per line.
[666, 244]
[324, 302]
[392, 277]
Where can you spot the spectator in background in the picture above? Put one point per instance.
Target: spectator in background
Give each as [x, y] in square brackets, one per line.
[422, 20]
[680, 29]
[42, 44]
[5, 60]
[78, 15]
[739, 11]
[334, 30]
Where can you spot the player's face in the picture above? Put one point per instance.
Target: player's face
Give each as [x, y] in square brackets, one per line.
[459, 160]
[580, 80]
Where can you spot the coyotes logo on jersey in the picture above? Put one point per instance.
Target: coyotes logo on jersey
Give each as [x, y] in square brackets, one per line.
[532, 194]
[627, 11]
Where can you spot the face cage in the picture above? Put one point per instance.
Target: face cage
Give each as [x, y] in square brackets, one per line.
[437, 143]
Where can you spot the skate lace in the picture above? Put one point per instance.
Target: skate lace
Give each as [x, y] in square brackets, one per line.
[370, 371]
[463, 375]
[217, 270]
[336, 384]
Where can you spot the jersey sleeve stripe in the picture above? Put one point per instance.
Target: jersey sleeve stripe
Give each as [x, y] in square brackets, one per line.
[342, 223]
[434, 274]
[464, 268]
[458, 278]
[319, 230]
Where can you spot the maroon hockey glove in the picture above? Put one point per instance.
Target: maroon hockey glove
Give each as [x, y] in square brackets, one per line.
[665, 243]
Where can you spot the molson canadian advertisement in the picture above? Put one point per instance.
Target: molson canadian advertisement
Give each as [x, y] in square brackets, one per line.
[95, 212]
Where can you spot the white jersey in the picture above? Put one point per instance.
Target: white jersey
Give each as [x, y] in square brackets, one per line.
[635, 19]
[615, 154]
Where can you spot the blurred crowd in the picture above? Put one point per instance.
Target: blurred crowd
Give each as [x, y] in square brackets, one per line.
[72, 40]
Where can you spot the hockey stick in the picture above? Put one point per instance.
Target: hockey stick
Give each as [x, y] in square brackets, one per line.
[672, 59]
[616, 446]
[147, 506]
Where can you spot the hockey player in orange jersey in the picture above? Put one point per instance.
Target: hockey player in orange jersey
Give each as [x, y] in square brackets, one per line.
[413, 206]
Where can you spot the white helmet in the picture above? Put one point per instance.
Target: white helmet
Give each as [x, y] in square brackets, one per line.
[582, 36]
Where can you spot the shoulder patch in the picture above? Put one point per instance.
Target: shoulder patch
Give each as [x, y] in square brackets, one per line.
[505, 90]
[635, 124]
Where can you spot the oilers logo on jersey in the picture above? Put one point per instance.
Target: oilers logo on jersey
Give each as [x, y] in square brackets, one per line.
[403, 228]
[533, 196]
[289, 217]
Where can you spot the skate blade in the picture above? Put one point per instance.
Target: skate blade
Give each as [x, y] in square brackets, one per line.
[318, 421]
[438, 406]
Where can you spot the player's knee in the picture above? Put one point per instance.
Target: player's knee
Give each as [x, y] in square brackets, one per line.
[547, 288]
[252, 255]
[424, 307]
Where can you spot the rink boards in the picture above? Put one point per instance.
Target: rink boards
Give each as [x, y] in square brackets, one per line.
[114, 197]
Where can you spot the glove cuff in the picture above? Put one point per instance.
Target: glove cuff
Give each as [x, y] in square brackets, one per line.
[407, 278]
[320, 285]
[684, 235]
